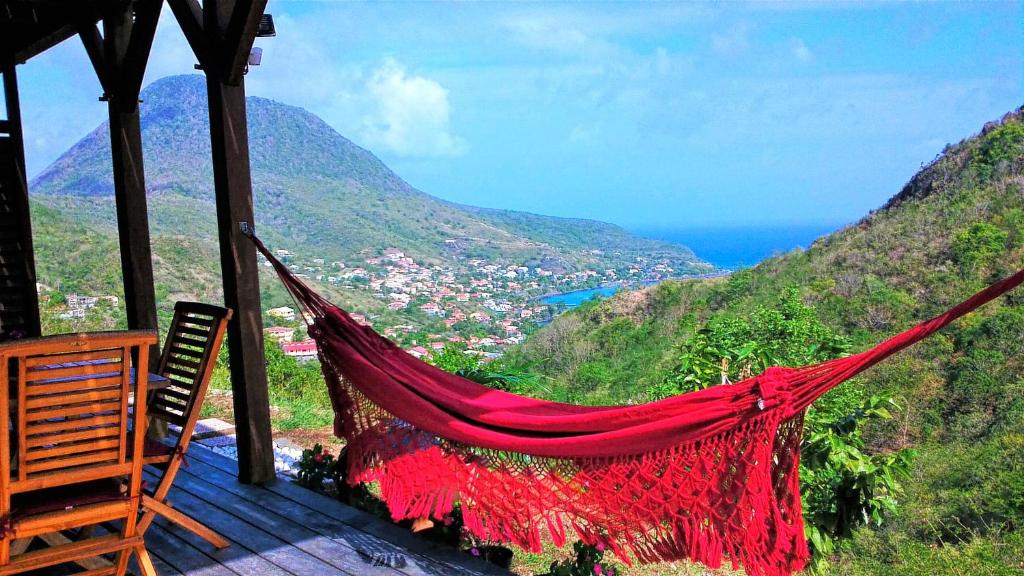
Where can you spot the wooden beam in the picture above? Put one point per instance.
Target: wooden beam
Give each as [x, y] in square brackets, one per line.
[189, 15]
[93, 43]
[239, 37]
[147, 15]
[129, 177]
[14, 190]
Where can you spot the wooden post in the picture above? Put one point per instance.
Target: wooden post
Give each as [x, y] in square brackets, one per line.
[129, 174]
[232, 181]
[229, 139]
[19, 301]
[217, 31]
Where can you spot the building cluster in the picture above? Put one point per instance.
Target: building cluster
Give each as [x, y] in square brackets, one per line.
[477, 303]
[78, 304]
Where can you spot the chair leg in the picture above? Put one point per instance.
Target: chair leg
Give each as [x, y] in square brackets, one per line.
[5, 550]
[185, 521]
[145, 562]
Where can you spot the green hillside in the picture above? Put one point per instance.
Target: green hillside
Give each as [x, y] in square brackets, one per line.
[955, 227]
[318, 193]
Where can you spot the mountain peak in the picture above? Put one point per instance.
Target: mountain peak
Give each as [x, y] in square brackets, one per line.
[286, 142]
[314, 188]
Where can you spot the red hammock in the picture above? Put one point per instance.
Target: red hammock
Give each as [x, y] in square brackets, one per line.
[696, 476]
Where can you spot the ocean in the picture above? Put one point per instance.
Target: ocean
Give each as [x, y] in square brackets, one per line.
[733, 247]
[727, 248]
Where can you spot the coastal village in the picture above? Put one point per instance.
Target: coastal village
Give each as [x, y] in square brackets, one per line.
[481, 307]
[475, 305]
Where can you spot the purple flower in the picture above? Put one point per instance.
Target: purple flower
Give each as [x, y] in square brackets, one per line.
[598, 570]
[600, 546]
[474, 551]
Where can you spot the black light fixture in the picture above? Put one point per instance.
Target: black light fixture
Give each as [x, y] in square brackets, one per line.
[266, 28]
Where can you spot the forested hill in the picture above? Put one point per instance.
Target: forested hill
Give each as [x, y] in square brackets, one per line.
[317, 192]
[957, 226]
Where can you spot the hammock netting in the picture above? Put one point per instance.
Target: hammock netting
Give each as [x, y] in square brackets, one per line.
[701, 476]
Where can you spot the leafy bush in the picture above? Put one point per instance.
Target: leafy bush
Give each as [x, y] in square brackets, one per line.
[1002, 145]
[587, 560]
[843, 486]
[788, 334]
[976, 246]
[315, 466]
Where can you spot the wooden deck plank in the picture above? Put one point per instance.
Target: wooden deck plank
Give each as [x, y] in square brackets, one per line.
[359, 542]
[251, 537]
[237, 559]
[457, 562]
[181, 556]
[369, 560]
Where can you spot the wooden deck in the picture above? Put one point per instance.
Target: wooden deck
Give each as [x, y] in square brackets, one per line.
[286, 530]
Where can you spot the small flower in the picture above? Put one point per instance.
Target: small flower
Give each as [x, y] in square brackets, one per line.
[474, 551]
[611, 572]
[448, 520]
[598, 570]
[319, 458]
[600, 546]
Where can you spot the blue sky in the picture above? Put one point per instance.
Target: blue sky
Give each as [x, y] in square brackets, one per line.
[663, 115]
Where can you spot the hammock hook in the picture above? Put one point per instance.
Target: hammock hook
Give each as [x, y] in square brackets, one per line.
[247, 229]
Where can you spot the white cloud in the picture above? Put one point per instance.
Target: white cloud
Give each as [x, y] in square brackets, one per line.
[800, 50]
[410, 115]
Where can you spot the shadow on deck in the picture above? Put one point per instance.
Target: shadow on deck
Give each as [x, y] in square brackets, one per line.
[285, 529]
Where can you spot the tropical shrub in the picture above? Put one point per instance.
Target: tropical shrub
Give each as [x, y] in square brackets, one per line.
[587, 560]
[315, 466]
[843, 484]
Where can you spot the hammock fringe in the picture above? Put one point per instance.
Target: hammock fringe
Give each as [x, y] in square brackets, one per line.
[702, 476]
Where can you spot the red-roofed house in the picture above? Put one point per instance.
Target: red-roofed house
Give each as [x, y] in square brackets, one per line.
[280, 333]
[305, 350]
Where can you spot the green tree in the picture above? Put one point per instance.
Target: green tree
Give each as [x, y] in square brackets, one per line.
[976, 246]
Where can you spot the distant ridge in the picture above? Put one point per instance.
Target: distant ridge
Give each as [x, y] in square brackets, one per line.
[316, 191]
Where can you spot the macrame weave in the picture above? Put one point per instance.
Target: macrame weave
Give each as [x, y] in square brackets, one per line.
[699, 476]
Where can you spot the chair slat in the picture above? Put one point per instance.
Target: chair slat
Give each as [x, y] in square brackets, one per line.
[72, 424]
[187, 362]
[202, 333]
[62, 437]
[175, 394]
[92, 458]
[83, 448]
[70, 357]
[36, 389]
[177, 350]
[197, 321]
[91, 408]
[73, 371]
[92, 395]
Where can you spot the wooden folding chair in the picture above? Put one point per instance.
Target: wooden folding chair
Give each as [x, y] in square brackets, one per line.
[189, 355]
[67, 461]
